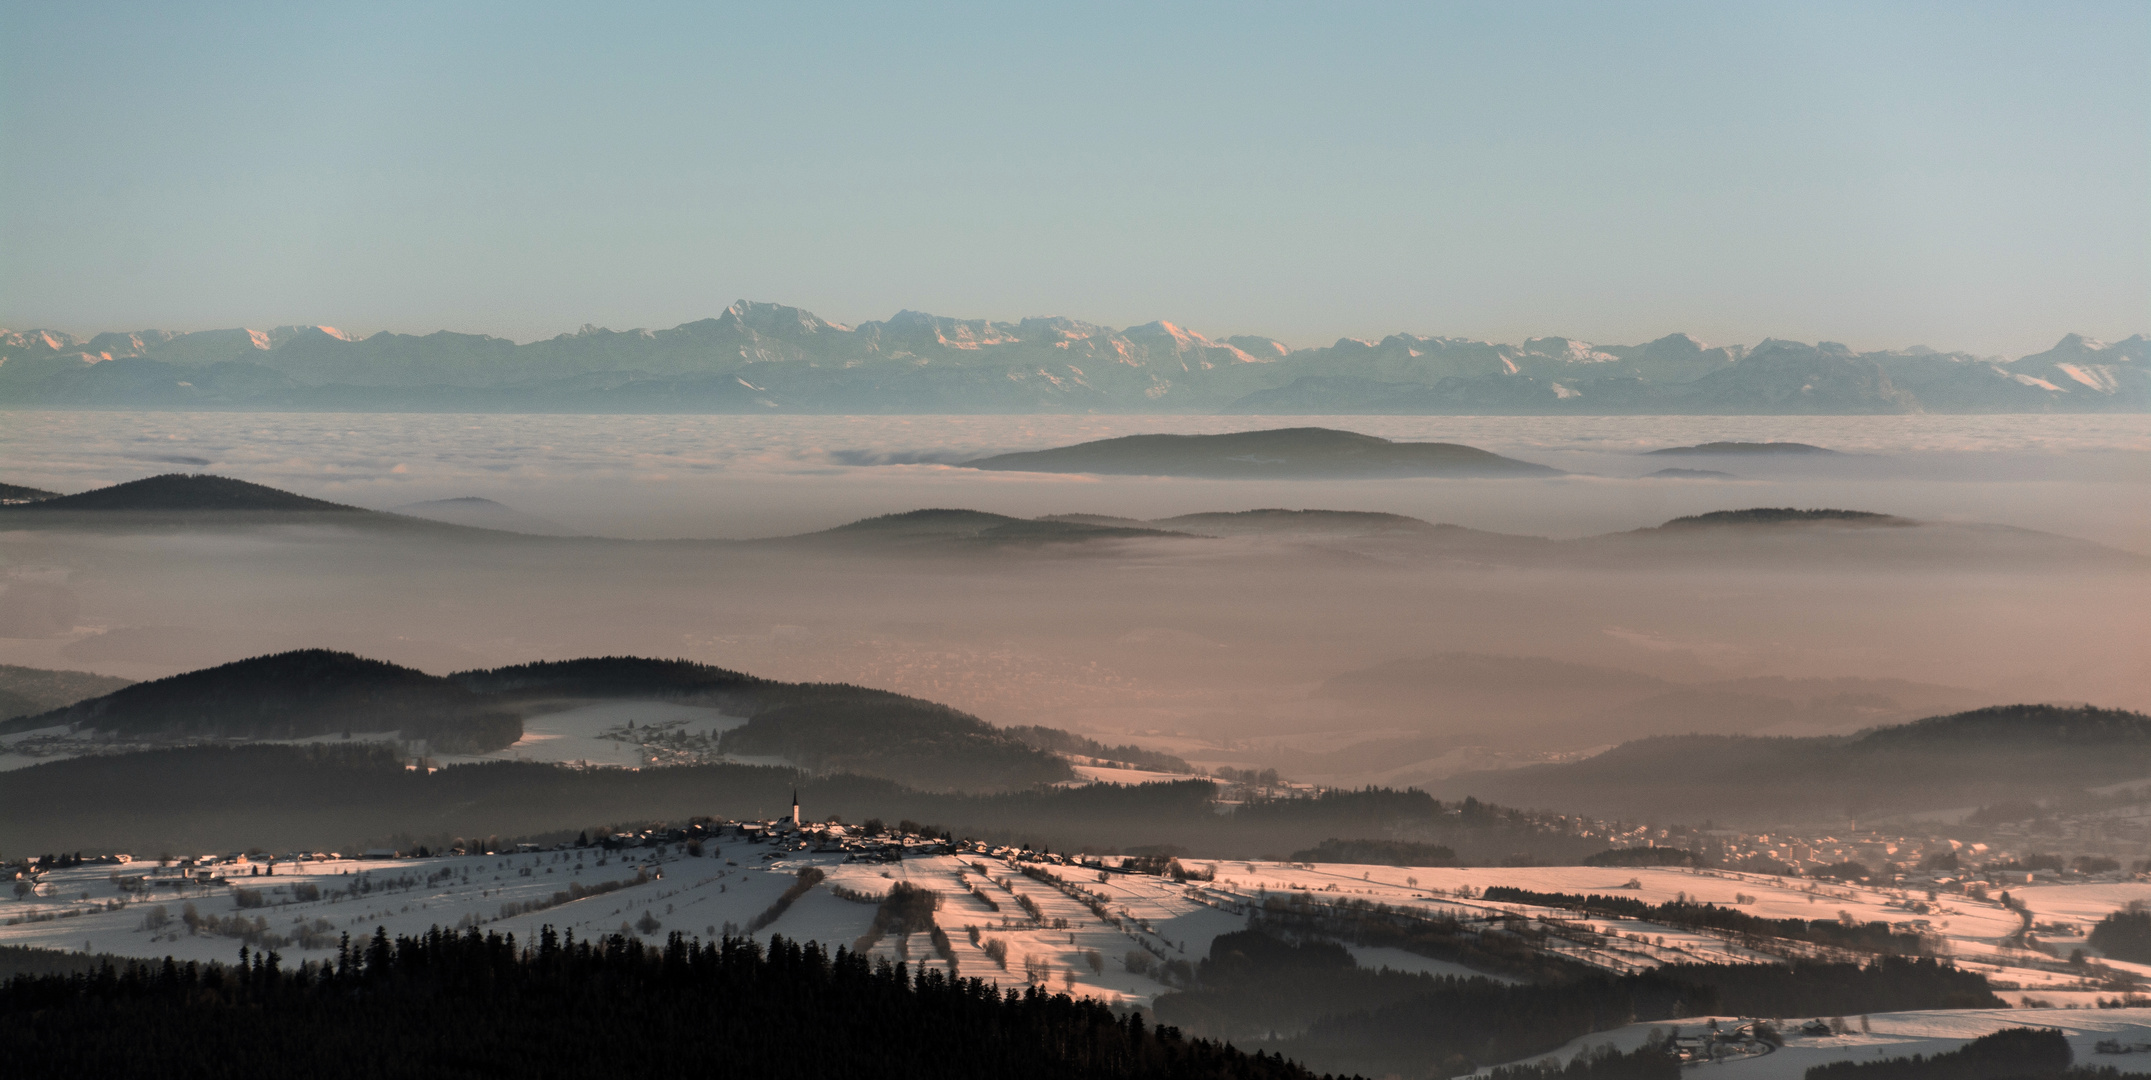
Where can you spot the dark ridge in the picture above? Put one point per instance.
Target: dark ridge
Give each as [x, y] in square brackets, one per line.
[1068, 530]
[1377, 853]
[1785, 515]
[1285, 452]
[822, 727]
[16, 493]
[2020, 1052]
[460, 500]
[605, 676]
[293, 695]
[945, 524]
[1984, 756]
[187, 491]
[2039, 726]
[1274, 520]
[925, 745]
[1691, 474]
[1107, 520]
[932, 522]
[1744, 448]
[32, 962]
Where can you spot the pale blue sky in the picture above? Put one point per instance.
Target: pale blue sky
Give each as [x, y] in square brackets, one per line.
[1959, 175]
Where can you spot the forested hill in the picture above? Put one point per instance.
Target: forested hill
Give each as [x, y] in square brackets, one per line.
[444, 1005]
[1983, 756]
[185, 491]
[823, 727]
[293, 695]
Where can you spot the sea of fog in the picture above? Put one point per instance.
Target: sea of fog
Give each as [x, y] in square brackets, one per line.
[745, 476]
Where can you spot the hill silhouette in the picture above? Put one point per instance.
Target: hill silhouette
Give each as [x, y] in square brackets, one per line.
[293, 695]
[936, 526]
[1356, 522]
[187, 491]
[1769, 515]
[25, 691]
[1284, 452]
[1991, 755]
[16, 493]
[1742, 448]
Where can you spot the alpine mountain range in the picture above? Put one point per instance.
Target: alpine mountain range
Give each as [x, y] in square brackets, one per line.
[770, 358]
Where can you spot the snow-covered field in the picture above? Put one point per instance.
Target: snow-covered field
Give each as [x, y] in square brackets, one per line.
[1902, 1034]
[137, 909]
[624, 733]
[599, 734]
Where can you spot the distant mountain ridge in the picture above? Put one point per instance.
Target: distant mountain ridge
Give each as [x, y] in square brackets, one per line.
[763, 357]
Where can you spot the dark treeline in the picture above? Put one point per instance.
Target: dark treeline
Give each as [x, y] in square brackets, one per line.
[1642, 856]
[1874, 936]
[1324, 1010]
[448, 1005]
[1647, 1062]
[2124, 935]
[23, 960]
[344, 796]
[1513, 949]
[929, 746]
[1378, 852]
[2012, 1053]
[825, 727]
[1068, 742]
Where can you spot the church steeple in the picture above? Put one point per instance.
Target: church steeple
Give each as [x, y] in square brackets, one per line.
[795, 808]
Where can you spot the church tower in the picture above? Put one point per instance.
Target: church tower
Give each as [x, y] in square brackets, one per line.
[795, 808]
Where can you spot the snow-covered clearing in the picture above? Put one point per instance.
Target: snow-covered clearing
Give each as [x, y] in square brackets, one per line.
[599, 734]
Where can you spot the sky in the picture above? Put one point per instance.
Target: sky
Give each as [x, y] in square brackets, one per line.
[1961, 175]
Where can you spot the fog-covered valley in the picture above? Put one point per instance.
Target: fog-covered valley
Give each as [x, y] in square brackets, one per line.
[1535, 623]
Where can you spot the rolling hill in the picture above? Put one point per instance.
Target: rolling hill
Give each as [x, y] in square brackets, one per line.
[185, 491]
[294, 695]
[2011, 752]
[1736, 449]
[314, 693]
[1285, 452]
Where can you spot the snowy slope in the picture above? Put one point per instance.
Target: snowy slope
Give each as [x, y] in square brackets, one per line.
[86, 908]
